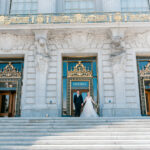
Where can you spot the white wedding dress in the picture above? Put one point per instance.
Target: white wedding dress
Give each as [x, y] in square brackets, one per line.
[88, 109]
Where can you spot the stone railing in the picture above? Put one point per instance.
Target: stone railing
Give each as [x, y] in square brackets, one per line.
[75, 18]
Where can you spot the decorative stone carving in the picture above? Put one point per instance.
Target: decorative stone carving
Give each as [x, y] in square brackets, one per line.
[77, 40]
[15, 42]
[41, 53]
[138, 40]
[42, 57]
[117, 42]
[118, 59]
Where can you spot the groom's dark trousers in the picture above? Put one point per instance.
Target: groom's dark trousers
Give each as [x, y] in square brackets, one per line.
[78, 101]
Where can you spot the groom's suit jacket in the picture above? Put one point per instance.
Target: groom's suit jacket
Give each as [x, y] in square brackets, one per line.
[78, 100]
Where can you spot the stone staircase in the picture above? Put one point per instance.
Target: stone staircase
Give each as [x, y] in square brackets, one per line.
[75, 134]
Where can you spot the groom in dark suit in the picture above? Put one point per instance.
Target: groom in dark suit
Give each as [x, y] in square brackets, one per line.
[78, 101]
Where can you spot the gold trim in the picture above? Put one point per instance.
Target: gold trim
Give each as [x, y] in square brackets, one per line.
[145, 93]
[146, 71]
[10, 72]
[79, 71]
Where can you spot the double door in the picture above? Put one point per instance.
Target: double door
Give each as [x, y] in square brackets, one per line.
[7, 104]
[83, 92]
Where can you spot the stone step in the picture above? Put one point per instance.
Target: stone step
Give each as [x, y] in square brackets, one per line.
[77, 120]
[73, 127]
[77, 133]
[76, 142]
[74, 120]
[74, 124]
[98, 130]
[75, 147]
[26, 138]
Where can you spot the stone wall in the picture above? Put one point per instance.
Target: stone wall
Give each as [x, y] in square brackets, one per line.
[117, 71]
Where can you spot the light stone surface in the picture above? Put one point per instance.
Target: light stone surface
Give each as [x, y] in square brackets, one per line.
[117, 77]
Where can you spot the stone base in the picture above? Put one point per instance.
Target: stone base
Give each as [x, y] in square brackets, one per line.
[121, 112]
[40, 113]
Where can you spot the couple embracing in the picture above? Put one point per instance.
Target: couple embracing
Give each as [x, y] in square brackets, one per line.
[88, 109]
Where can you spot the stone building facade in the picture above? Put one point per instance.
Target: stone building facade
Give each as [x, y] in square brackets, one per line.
[118, 43]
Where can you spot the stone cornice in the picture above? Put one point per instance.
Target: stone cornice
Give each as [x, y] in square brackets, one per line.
[75, 26]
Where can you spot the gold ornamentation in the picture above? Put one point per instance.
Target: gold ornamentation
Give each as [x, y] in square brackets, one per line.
[10, 72]
[125, 18]
[146, 71]
[40, 19]
[2, 18]
[75, 18]
[102, 18]
[32, 19]
[110, 18]
[80, 71]
[118, 17]
[47, 19]
[17, 20]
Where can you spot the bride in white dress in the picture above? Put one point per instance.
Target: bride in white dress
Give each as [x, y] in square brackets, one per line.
[88, 109]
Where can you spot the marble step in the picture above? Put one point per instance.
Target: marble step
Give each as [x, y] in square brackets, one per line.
[74, 127]
[76, 142]
[26, 138]
[98, 130]
[77, 133]
[75, 124]
[76, 147]
[71, 120]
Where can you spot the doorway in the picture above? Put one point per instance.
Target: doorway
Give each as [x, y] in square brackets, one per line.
[11, 74]
[83, 92]
[7, 104]
[79, 73]
[147, 95]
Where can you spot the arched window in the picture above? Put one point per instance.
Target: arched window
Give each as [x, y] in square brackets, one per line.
[79, 6]
[134, 5]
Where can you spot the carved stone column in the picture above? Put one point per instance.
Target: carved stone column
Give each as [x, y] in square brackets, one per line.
[41, 60]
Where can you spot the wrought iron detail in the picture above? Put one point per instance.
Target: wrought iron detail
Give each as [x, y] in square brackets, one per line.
[80, 71]
[10, 72]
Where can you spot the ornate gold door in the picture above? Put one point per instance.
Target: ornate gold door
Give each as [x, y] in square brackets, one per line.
[10, 91]
[78, 74]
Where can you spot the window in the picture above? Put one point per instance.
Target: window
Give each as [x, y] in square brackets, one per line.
[79, 6]
[24, 6]
[134, 5]
[4, 7]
